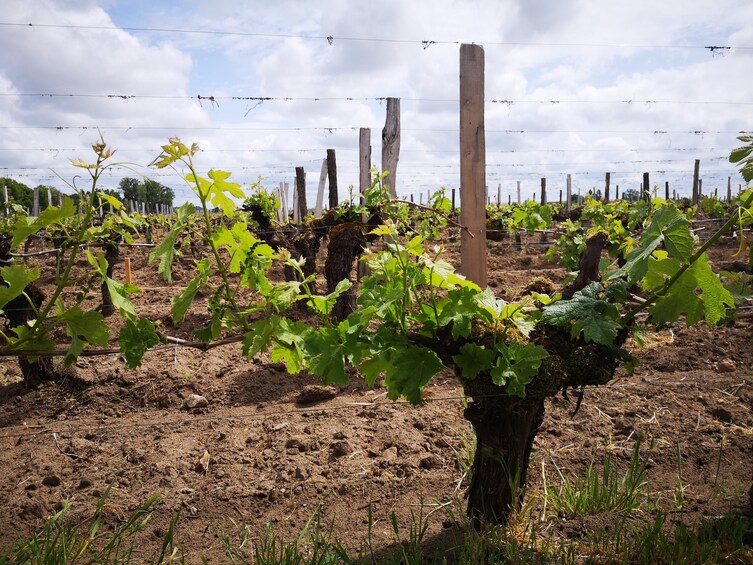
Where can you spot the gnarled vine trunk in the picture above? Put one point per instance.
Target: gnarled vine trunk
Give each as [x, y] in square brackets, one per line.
[112, 252]
[505, 429]
[506, 426]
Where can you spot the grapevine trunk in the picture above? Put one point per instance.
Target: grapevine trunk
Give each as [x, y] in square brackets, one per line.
[505, 429]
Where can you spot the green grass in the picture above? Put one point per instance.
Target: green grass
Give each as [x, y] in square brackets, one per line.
[640, 533]
[600, 491]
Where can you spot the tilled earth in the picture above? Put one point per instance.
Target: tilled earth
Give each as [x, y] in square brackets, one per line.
[265, 447]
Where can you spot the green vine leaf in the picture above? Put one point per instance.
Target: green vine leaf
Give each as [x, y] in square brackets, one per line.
[165, 251]
[135, 338]
[517, 365]
[15, 278]
[182, 302]
[596, 318]
[681, 298]
[83, 328]
[474, 359]
[26, 225]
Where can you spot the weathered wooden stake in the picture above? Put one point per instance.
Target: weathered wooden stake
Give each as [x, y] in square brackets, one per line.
[364, 160]
[300, 187]
[127, 265]
[35, 209]
[518, 192]
[332, 174]
[472, 165]
[646, 188]
[606, 187]
[568, 192]
[666, 190]
[696, 173]
[729, 189]
[543, 191]
[320, 190]
[391, 144]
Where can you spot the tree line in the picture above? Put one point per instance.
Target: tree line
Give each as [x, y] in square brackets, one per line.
[148, 191]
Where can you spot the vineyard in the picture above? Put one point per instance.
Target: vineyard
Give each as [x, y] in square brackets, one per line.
[339, 383]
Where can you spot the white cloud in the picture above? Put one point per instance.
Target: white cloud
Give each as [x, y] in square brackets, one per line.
[535, 51]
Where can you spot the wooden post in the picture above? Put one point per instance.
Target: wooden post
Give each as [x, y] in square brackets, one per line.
[518, 192]
[617, 192]
[391, 144]
[700, 189]
[296, 211]
[364, 161]
[320, 191]
[49, 197]
[560, 200]
[543, 191]
[284, 201]
[127, 265]
[300, 187]
[332, 174]
[568, 192]
[499, 195]
[99, 206]
[606, 187]
[5, 198]
[453, 200]
[716, 193]
[696, 172]
[729, 189]
[472, 165]
[666, 190]
[646, 188]
[35, 209]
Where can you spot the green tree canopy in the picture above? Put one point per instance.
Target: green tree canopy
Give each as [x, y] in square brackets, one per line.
[148, 191]
[21, 194]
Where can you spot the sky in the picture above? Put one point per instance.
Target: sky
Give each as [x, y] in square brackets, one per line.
[571, 87]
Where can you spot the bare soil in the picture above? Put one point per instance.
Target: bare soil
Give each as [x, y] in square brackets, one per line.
[280, 446]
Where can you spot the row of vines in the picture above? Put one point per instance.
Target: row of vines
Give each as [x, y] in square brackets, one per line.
[409, 315]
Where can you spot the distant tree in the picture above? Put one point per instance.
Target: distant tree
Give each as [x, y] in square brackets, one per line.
[18, 192]
[148, 191]
[632, 194]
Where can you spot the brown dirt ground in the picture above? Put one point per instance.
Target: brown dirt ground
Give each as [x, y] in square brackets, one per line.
[277, 453]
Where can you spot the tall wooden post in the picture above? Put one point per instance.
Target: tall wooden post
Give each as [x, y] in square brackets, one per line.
[518, 192]
[453, 200]
[499, 195]
[300, 187]
[646, 188]
[569, 191]
[606, 187]
[364, 160]
[696, 173]
[617, 192]
[729, 189]
[666, 191]
[700, 189]
[391, 144]
[543, 191]
[472, 165]
[35, 209]
[49, 197]
[332, 174]
[5, 198]
[320, 190]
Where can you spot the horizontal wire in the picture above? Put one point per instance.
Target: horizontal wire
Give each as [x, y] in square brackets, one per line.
[357, 128]
[214, 98]
[331, 39]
